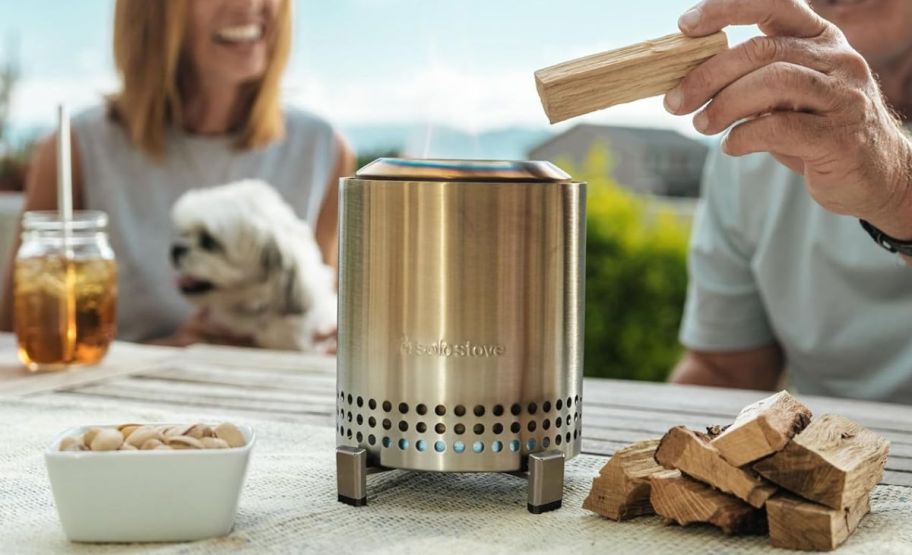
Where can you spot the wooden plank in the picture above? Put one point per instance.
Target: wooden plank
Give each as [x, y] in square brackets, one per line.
[201, 411]
[679, 499]
[694, 455]
[834, 462]
[762, 428]
[260, 358]
[798, 524]
[198, 373]
[153, 388]
[623, 75]
[264, 405]
[122, 359]
[894, 478]
[621, 490]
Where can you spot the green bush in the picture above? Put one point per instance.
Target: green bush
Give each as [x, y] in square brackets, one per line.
[636, 279]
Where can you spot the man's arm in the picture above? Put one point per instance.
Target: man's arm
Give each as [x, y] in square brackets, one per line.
[759, 368]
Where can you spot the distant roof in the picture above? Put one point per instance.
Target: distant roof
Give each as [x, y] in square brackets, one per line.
[652, 136]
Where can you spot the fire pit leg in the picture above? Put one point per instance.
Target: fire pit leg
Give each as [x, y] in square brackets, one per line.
[351, 475]
[546, 481]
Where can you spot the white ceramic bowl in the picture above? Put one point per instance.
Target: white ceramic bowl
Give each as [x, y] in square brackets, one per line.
[147, 496]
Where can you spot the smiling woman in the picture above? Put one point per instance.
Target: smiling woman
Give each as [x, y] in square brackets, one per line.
[198, 106]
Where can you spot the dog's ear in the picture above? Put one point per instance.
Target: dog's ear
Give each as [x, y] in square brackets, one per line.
[271, 257]
[294, 296]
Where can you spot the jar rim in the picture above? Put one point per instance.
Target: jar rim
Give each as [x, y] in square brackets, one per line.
[49, 220]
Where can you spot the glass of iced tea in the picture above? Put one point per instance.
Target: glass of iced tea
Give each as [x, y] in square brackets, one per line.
[65, 291]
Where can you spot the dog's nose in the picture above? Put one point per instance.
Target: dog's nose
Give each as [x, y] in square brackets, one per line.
[177, 252]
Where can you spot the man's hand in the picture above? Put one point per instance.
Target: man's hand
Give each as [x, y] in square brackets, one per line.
[804, 95]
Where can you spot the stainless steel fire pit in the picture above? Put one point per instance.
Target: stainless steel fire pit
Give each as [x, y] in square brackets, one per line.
[460, 321]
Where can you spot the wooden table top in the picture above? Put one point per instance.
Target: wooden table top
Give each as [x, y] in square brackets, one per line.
[298, 387]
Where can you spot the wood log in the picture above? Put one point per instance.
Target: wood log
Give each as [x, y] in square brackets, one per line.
[762, 428]
[798, 524]
[692, 454]
[642, 70]
[621, 490]
[684, 501]
[834, 462]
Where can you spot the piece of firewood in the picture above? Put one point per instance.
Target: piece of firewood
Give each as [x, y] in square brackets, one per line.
[642, 70]
[621, 490]
[762, 429]
[834, 461]
[691, 453]
[798, 524]
[681, 500]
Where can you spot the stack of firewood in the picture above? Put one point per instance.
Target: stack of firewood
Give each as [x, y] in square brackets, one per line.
[774, 470]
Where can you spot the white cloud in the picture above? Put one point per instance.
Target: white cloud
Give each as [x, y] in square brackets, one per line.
[35, 100]
[436, 95]
[461, 99]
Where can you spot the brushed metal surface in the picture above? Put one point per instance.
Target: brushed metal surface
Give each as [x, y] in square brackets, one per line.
[546, 481]
[460, 295]
[463, 170]
[351, 475]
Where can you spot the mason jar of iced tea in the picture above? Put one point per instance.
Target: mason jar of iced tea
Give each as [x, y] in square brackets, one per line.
[65, 290]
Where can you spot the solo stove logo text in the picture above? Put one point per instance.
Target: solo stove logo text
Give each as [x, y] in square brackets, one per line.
[445, 349]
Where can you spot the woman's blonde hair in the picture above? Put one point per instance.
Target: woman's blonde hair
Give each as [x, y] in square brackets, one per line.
[148, 50]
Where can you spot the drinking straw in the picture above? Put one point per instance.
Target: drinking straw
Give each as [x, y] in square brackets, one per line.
[65, 213]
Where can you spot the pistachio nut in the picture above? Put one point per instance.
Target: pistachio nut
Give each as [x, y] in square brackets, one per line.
[151, 443]
[184, 442]
[214, 443]
[199, 431]
[229, 432]
[107, 439]
[70, 443]
[143, 434]
[90, 435]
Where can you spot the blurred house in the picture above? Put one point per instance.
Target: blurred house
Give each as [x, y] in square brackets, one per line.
[649, 161]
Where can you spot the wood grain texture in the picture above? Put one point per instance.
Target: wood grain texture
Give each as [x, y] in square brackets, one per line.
[692, 454]
[834, 462]
[621, 490]
[638, 71]
[762, 428]
[798, 524]
[681, 500]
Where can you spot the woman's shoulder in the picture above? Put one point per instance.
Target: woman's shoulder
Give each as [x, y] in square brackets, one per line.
[95, 124]
[93, 116]
[301, 123]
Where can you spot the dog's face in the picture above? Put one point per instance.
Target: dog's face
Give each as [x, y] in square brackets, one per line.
[226, 248]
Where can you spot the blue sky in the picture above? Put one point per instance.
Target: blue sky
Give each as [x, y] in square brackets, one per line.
[465, 63]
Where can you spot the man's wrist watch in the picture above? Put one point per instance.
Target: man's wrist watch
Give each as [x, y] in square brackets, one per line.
[889, 243]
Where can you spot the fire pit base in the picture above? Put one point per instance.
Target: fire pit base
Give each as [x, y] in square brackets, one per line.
[545, 476]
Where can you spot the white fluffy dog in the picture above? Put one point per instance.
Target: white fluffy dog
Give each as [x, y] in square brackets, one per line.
[255, 268]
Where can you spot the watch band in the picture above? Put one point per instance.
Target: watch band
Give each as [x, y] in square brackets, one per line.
[889, 243]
